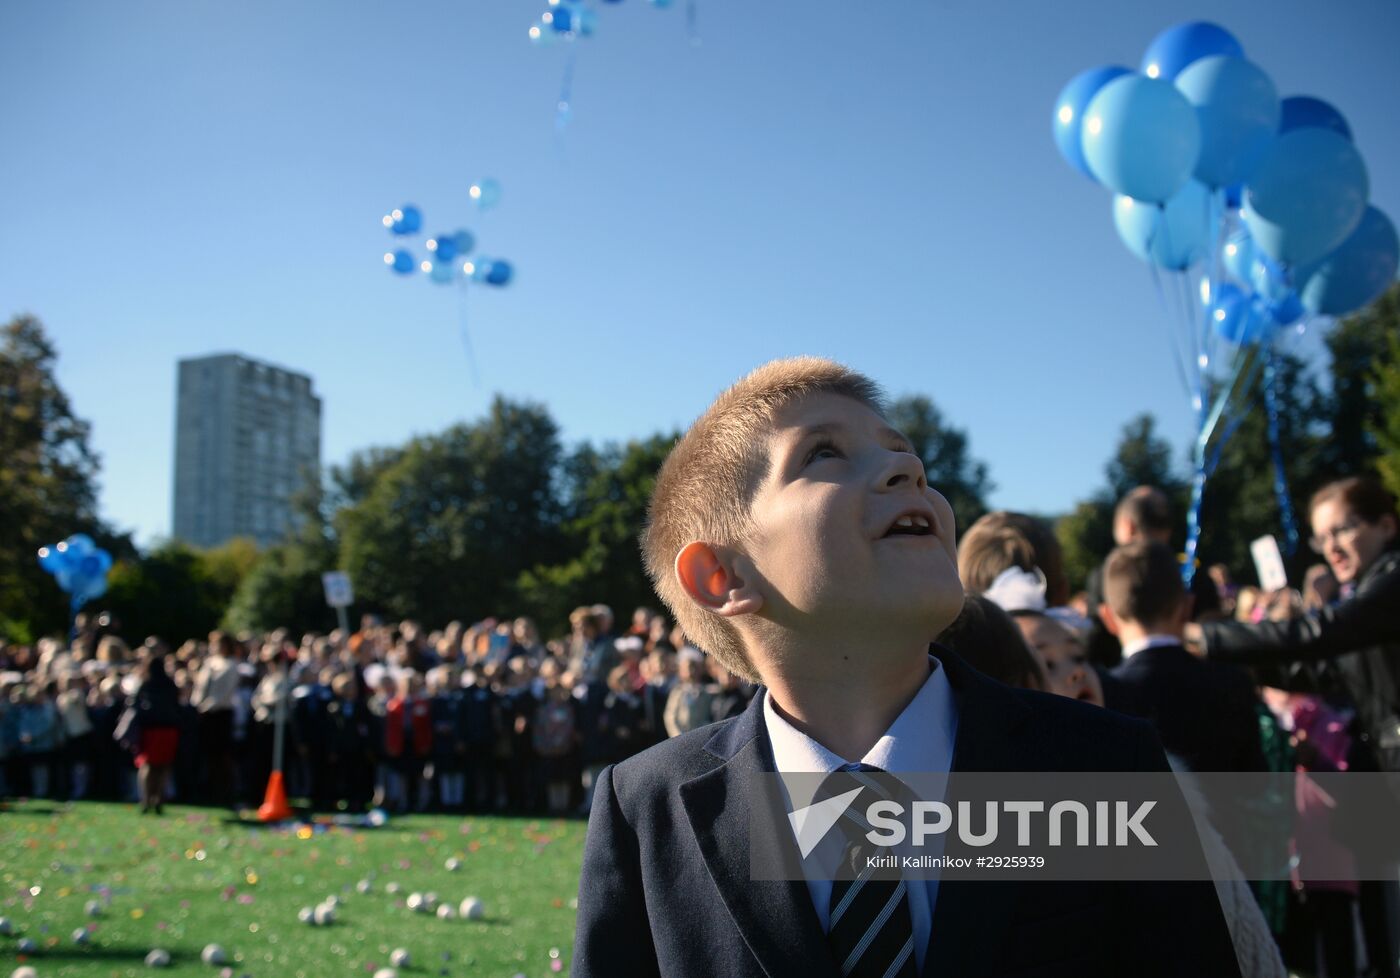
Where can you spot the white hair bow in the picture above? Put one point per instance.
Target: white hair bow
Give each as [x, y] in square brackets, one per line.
[1015, 589]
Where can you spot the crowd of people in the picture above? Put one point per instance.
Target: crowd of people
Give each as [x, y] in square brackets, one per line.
[479, 718]
[488, 717]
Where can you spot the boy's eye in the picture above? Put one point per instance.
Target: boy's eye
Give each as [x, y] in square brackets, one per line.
[822, 450]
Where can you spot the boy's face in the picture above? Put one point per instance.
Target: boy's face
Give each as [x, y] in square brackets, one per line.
[845, 526]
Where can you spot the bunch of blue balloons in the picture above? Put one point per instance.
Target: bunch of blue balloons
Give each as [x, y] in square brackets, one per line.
[1203, 157]
[449, 255]
[1264, 200]
[79, 566]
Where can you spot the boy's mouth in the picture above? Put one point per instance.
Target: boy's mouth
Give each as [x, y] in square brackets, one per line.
[910, 525]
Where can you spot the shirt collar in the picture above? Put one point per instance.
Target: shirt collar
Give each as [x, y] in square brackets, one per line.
[919, 740]
[1150, 642]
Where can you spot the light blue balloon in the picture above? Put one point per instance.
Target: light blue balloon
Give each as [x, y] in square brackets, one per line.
[1068, 120]
[1174, 235]
[1184, 44]
[1356, 273]
[485, 193]
[1238, 108]
[1306, 196]
[442, 272]
[1238, 255]
[80, 544]
[1141, 138]
[466, 241]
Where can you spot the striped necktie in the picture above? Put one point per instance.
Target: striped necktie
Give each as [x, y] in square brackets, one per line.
[870, 932]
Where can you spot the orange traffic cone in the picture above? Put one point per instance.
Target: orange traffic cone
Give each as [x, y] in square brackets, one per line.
[274, 807]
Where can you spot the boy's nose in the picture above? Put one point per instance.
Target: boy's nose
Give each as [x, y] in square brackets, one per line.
[904, 468]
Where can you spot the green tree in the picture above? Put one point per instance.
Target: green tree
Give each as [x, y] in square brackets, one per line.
[606, 496]
[177, 591]
[446, 529]
[48, 487]
[1361, 349]
[1142, 457]
[1386, 429]
[282, 588]
[1240, 503]
[947, 459]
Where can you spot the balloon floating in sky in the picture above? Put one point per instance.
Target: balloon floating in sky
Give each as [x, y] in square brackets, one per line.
[447, 255]
[567, 21]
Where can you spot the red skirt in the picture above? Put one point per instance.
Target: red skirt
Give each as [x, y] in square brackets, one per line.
[158, 746]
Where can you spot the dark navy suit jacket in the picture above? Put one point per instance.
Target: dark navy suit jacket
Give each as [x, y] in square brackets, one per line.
[666, 886]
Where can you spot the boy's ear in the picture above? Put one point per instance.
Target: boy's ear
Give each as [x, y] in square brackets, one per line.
[1109, 619]
[711, 578]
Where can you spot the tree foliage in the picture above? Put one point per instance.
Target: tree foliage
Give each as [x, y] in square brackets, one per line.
[1142, 457]
[606, 502]
[947, 458]
[445, 529]
[48, 481]
[177, 591]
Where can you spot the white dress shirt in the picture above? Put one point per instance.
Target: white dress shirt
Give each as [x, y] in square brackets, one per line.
[919, 741]
[1149, 642]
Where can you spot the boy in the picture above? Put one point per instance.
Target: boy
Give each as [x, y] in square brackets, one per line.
[793, 535]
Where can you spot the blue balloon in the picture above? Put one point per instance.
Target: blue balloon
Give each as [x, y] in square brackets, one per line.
[485, 193]
[52, 559]
[1141, 138]
[445, 247]
[465, 241]
[561, 18]
[1287, 310]
[498, 272]
[406, 220]
[661, 4]
[1356, 273]
[401, 261]
[1238, 318]
[81, 544]
[1238, 255]
[1068, 121]
[1238, 108]
[1234, 196]
[1176, 47]
[1174, 235]
[442, 272]
[1306, 112]
[1306, 195]
[585, 22]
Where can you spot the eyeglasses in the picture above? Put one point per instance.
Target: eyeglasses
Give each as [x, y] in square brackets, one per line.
[1343, 534]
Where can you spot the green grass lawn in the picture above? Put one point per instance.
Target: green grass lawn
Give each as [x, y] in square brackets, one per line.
[193, 877]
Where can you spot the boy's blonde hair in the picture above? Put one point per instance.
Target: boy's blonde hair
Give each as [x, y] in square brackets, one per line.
[704, 490]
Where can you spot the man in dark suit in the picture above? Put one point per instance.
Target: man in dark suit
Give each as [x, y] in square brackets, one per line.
[1204, 712]
[795, 537]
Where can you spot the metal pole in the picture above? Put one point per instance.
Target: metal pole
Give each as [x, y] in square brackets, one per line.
[344, 621]
[280, 721]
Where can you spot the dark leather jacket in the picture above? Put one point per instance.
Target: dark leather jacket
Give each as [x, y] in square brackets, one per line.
[1362, 635]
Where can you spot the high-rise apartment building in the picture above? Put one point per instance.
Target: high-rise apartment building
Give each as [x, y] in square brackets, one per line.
[247, 439]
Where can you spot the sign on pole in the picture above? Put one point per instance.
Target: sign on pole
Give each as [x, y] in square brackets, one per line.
[339, 594]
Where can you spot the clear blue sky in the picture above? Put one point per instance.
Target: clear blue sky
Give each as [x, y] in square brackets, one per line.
[872, 180]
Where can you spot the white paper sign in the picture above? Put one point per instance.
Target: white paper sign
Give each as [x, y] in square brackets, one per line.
[1269, 563]
[339, 594]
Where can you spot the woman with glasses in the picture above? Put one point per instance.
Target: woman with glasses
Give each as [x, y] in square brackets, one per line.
[1357, 531]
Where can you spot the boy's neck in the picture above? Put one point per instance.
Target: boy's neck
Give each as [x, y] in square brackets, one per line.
[849, 702]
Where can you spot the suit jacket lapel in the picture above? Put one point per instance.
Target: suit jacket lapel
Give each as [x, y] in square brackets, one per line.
[775, 917]
[971, 916]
